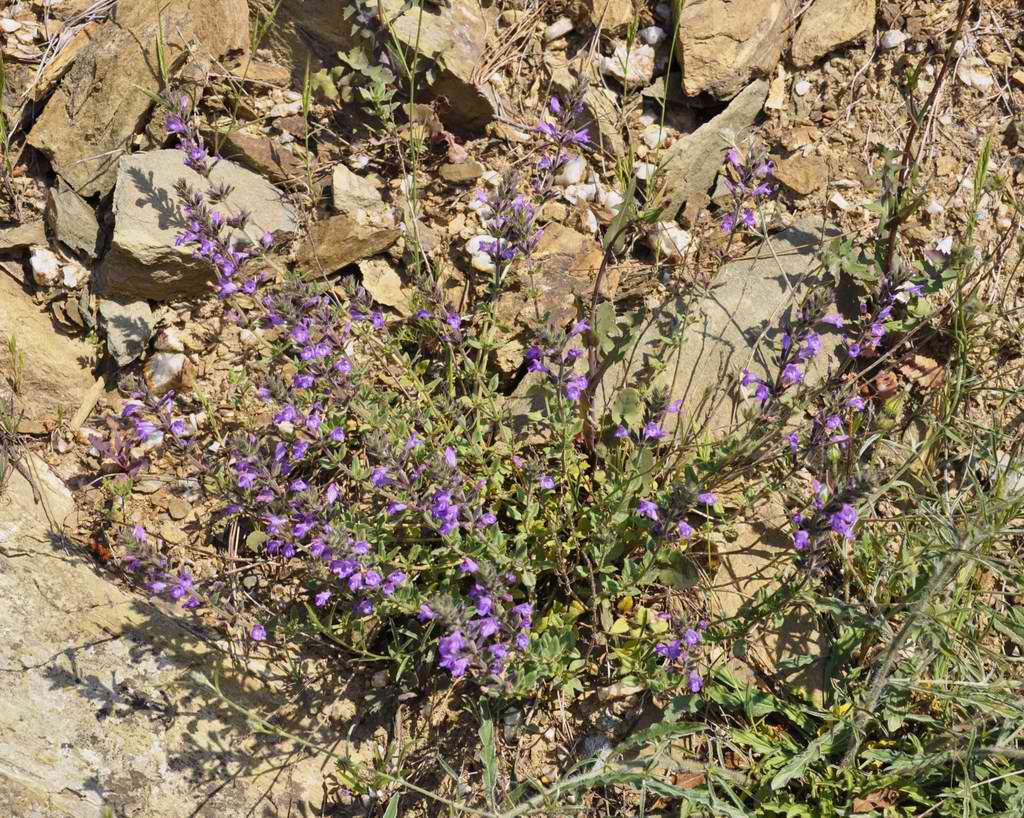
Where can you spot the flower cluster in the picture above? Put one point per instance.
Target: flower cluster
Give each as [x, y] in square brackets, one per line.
[190, 141]
[485, 633]
[748, 182]
[678, 654]
[561, 135]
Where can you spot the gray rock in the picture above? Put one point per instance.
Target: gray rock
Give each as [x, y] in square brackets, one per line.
[694, 161]
[351, 193]
[748, 297]
[143, 261]
[129, 326]
[455, 38]
[55, 371]
[105, 96]
[100, 707]
[73, 221]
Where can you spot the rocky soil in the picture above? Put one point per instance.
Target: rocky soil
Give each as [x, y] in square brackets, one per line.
[102, 708]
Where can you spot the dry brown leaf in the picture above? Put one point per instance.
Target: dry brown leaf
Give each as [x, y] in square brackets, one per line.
[886, 385]
[872, 801]
[924, 371]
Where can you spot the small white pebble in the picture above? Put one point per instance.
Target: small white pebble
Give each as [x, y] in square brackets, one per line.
[571, 173]
[801, 88]
[892, 39]
[669, 239]
[589, 221]
[473, 245]
[558, 29]
[358, 161]
[839, 200]
[483, 262]
[653, 136]
[645, 170]
[73, 274]
[934, 208]
[9, 26]
[491, 177]
[652, 35]
[45, 267]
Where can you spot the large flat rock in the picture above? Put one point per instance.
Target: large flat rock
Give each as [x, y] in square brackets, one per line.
[748, 298]
[54, 370]
[100, 707]
[143, 261]
[104, 98]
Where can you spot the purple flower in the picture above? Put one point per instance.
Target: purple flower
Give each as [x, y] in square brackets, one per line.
[835, 319]
[321, 598]
[793, 439]
[621, 431]
[695, 681]
[258, 633]
[545, 482]
[449, 648]
[468, 566]
[652, 431]
[685, 530]
[853, 350]
[672, 651]
[856, 403]
[450, 458]
[792, 374]
[843, 521]
[728, 222]
[707, 497]
[425, 613]
[574, 387]
[645, 508]
[801, 539]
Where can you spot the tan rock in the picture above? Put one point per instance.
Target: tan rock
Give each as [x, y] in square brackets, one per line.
[462, 171]
[341, 240]
[612, 16]
[53, 371]
[104, 710]
[352, 193]
[384, 285]
[829, 24]
[56, 69]
[802, 174]
[98, 106]
[723, 44]
[23, 235]
[262, 154]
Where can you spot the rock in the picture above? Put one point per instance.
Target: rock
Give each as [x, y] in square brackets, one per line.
[801, 88]
[45, 267]
[558, 29]
[56, 68]
[340, 240]
[462, 172]
[169, 340]
[567, 263]
[262, 154]
[892, 39]
[54, 372]
[261, 73]
[751, 565]
[718, 345]
[102, 709]
[612, 16]
[722, 44]
[73, 221]
[129, 326]
[23, 235]
[102, 100]
[693, 162]
[669, 240]
[631, 66]
[455, 38]
[802, 174]
[652, 35]
[352, 193]
[571, 173]
[164, 371]
[829, 24]
[143, 261]
[385, 285]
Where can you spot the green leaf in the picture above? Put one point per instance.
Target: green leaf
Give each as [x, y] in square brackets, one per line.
[489, 756]
[392, 810]
[628, 407]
